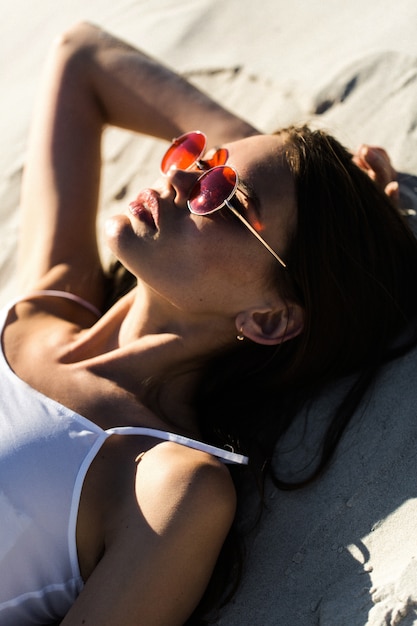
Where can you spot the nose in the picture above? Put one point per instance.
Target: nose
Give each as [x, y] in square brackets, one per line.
[182, 181]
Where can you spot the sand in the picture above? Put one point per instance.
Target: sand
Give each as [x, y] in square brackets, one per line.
[344, 551]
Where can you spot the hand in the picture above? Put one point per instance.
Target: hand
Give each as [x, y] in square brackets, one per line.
[375, 162]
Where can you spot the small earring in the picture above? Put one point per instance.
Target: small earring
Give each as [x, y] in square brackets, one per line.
[240, 336]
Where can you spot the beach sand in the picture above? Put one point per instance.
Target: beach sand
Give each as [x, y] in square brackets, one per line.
[344, 551]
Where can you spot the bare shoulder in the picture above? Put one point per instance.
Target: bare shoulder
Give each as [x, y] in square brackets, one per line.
[198, 481]
[164, 544]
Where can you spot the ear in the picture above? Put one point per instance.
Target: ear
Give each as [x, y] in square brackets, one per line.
[271, 326]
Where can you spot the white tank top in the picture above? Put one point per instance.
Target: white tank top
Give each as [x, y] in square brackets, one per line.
[45, 452]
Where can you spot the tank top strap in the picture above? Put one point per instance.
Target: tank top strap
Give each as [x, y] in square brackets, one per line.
[226, 455]
[63, 294]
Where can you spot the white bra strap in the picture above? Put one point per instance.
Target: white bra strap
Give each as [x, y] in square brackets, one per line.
[65, 294]
[229, 457]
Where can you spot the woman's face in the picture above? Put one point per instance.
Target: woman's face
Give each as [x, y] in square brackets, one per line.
[211, 264]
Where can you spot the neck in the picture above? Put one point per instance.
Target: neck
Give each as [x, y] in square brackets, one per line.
[146, 320]
[154, 353]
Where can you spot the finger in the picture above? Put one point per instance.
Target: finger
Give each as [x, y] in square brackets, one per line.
[393, 192]
[358, 158]
[379, 164]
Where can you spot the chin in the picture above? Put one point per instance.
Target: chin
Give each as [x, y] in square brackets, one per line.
[123, 242]
[118, 233]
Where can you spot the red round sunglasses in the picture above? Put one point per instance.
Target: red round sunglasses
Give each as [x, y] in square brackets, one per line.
[215, 187]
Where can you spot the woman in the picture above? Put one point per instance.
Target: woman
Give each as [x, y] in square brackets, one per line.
[113, 512]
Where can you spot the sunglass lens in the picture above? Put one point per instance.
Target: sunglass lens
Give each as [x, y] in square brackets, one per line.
[183, 152]
[218, 158]
[212, 189]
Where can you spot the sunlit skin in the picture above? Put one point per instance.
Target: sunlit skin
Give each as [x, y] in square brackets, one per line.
[210, 265]
[151, 529]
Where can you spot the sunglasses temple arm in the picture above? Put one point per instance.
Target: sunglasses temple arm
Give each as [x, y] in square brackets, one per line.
[254, 232]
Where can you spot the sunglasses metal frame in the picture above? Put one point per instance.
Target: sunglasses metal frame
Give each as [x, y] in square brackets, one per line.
[226, 201]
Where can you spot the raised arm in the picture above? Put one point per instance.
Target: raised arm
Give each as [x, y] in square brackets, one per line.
[92, 80]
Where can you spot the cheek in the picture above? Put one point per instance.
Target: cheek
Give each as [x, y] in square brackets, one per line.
[213, 277]
[224, 254]
[230, 269]
[228, 252]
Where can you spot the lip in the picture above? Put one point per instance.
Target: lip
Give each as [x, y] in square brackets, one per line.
[146, 208]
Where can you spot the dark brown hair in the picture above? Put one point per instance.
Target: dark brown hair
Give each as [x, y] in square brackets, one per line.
[352, 265]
